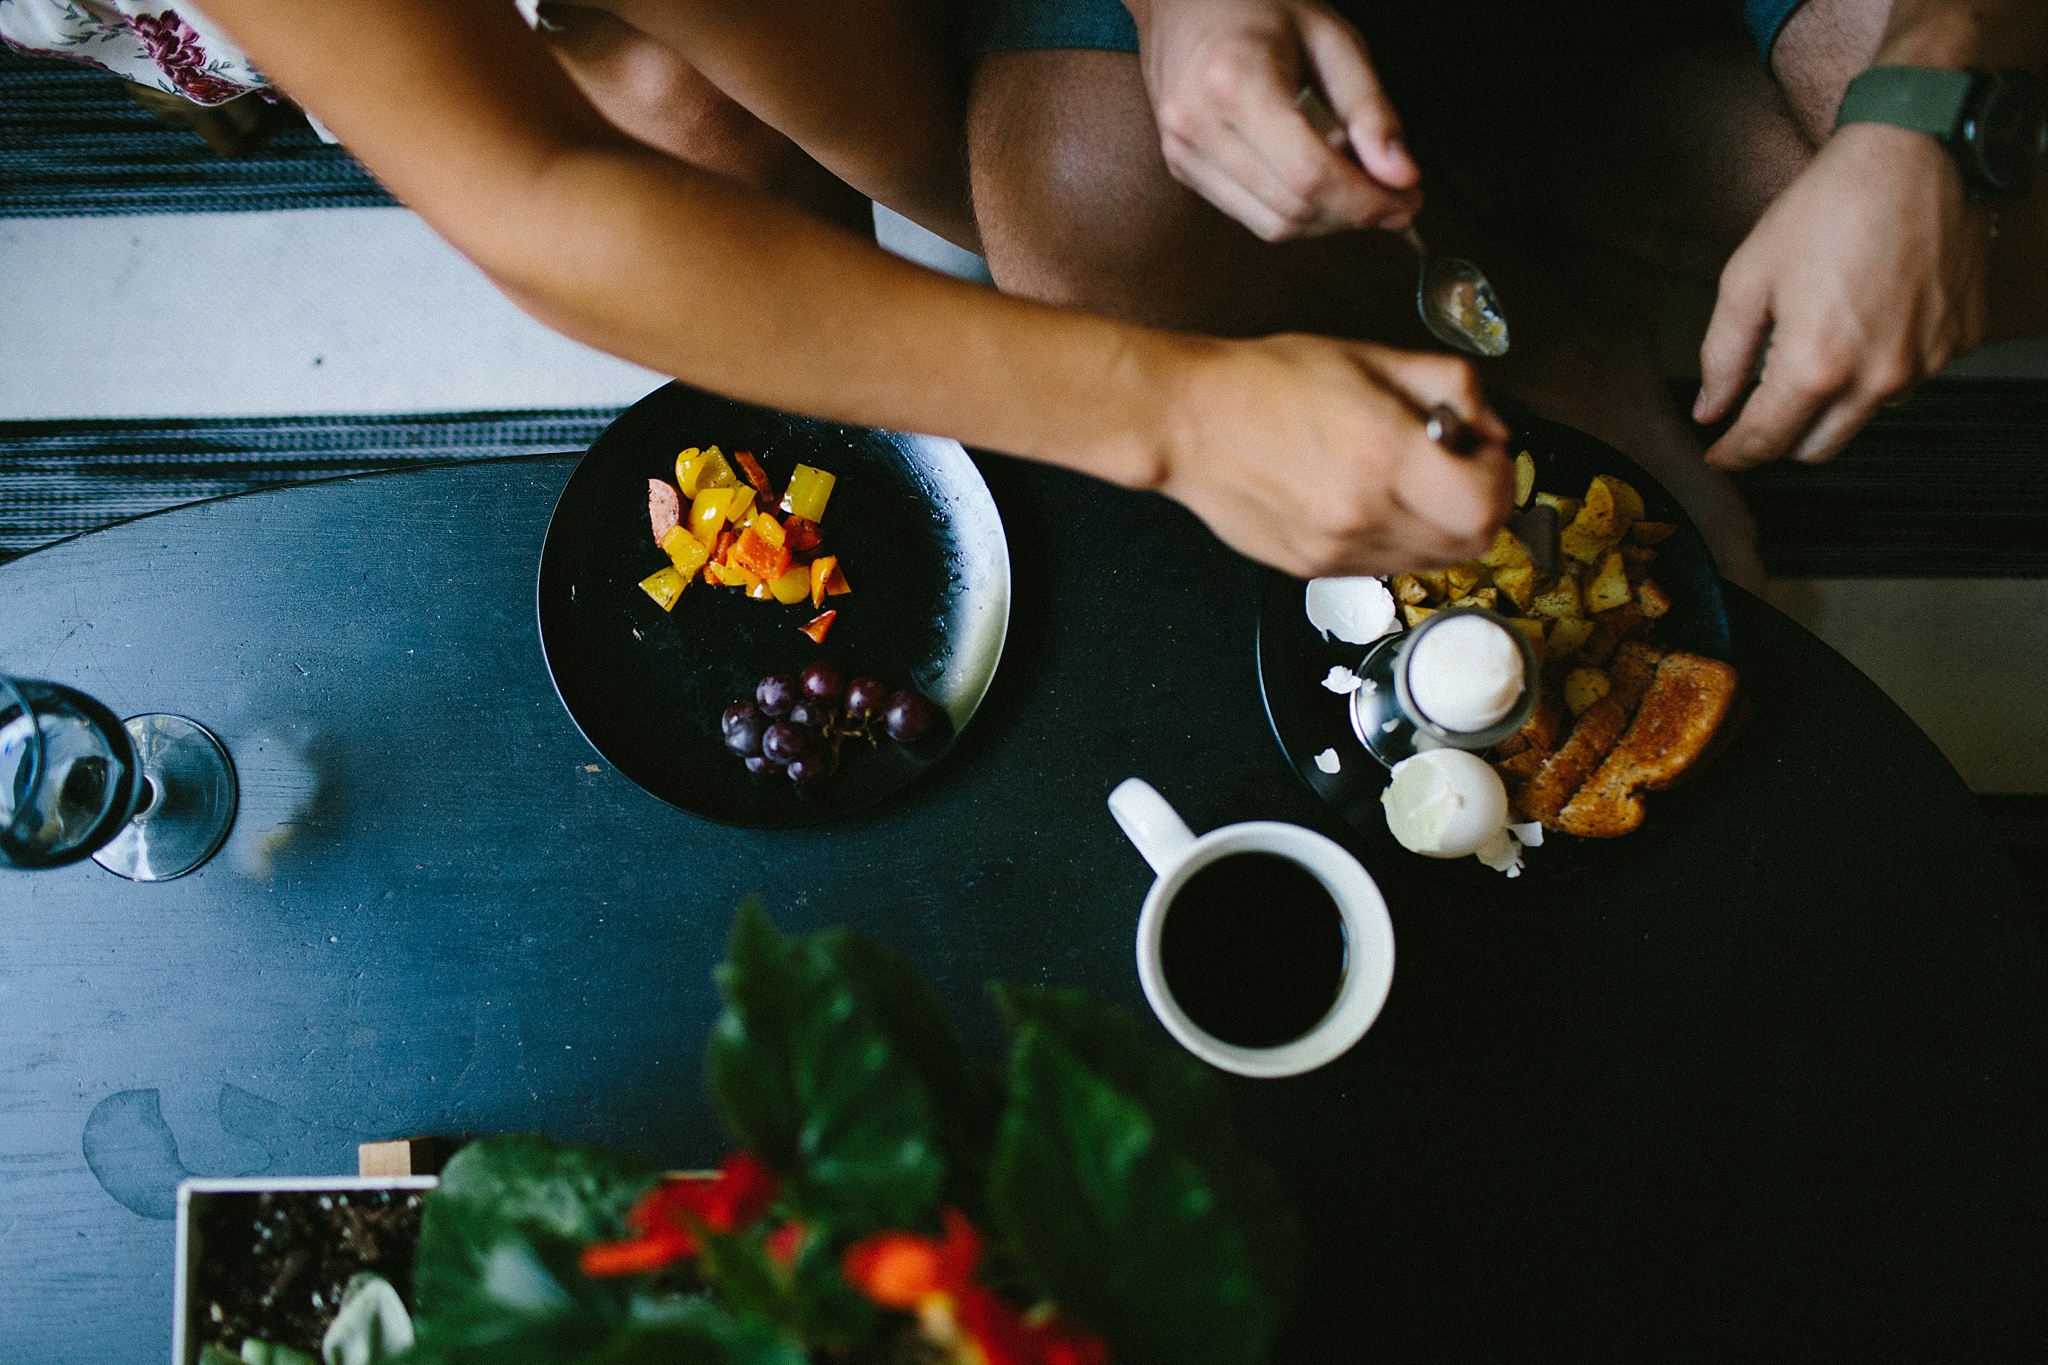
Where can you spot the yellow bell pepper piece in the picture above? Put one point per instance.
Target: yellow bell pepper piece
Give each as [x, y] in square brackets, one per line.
[809, 490]
[821, 572]
[741, 509]
[734, 576]
[707, 514]
[770, 530]
[697, 470]
[793, 586]
[685, 551]
[664, 586]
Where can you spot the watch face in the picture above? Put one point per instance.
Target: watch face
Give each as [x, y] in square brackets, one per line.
[2007, 132]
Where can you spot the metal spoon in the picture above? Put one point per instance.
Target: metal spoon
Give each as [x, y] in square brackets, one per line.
[1454, 300]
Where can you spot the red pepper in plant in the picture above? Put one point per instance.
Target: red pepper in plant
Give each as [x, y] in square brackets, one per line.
[669, 1218]
[819, 626]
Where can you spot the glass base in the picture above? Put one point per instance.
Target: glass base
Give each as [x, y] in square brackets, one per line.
[187, 805]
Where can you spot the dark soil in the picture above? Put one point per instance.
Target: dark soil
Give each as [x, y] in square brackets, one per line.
[274, 1265]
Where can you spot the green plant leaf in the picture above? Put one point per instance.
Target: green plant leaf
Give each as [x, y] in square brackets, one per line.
[1188, 1103]
[1125, 1197]
[496, 1277]
[834, 1065]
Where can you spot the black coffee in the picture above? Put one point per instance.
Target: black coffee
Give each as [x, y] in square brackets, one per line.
[1253, 949]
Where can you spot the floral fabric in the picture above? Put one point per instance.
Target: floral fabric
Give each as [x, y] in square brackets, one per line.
[177, 51]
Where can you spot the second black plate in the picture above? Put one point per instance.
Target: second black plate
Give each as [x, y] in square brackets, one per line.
[922, 546]
[1294, 657]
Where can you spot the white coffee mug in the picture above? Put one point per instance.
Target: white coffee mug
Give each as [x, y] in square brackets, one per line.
[1176, 855]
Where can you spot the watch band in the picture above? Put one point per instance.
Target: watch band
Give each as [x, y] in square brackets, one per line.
[1925, 99]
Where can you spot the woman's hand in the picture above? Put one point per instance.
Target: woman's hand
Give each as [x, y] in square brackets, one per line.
[1309, 454]
[1223, 76]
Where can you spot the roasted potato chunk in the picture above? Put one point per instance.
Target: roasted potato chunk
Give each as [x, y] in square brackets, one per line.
[1651, 532]
[1488, 598]
[1628, 504]
[1410, 589]
[1567, 636]
[1460, 579]
[1518, 585]
[1584, 686]
[1610, 587]
[1415, 615]
[1508, 551]
[1651, 599]
[1525, 478]
[1561, 601]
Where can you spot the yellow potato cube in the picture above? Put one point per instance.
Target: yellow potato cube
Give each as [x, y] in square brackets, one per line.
[1610, 587]
[1525, 478]
[1652, 599]
[1409, 588]
[1415, 615]
[1507, 552]
[1584, 686]
[1533, 630]
[1628, 504]
[1560, 602]
[1435, 580]
[1518, 585]
[1567, 636]
[1488, 598]
[1460, 579]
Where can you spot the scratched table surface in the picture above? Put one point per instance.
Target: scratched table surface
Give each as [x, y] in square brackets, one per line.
[1772, 1084]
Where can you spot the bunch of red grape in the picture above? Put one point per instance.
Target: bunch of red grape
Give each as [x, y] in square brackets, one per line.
[795, 725]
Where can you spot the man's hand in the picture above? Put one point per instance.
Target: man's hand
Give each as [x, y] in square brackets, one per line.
[1863, 278]
[1223, 76]
[1310, 455]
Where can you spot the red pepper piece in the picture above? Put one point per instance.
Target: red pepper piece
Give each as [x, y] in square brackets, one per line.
[754, 554]
[801, 534]
[756, 476]
[818, 625]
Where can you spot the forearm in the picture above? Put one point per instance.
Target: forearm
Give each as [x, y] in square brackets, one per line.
[764, 303]
[469, 120]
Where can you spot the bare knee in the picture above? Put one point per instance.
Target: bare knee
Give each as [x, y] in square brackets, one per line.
[652, 94]
[1074, 199]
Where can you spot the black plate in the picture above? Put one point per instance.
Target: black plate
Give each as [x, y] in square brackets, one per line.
[1307, 718]
[922, 546]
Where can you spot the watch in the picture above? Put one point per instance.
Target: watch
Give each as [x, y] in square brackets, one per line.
[1993, 123]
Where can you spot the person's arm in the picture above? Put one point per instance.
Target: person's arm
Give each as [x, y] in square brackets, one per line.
[1307, 454]
[1868, 273]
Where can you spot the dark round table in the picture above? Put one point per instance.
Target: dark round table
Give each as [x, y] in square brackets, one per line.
[1771, 1084]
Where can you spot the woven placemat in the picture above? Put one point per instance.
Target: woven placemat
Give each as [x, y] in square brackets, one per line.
[1952, 485]
[60, 478]
[72, 144]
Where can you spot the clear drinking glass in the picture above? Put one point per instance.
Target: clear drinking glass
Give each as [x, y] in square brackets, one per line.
[149, 798]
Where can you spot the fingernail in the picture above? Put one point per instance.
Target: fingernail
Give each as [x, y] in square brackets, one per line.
[1699, 407]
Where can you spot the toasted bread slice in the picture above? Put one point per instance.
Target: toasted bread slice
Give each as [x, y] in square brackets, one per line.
[1633, 667]
[1565, 771]
[1539, 732]
[1684, 706]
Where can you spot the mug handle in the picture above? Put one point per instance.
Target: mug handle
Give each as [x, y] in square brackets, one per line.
[1150, 823]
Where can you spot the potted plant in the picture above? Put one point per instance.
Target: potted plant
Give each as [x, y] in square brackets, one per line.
[891, 1200]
